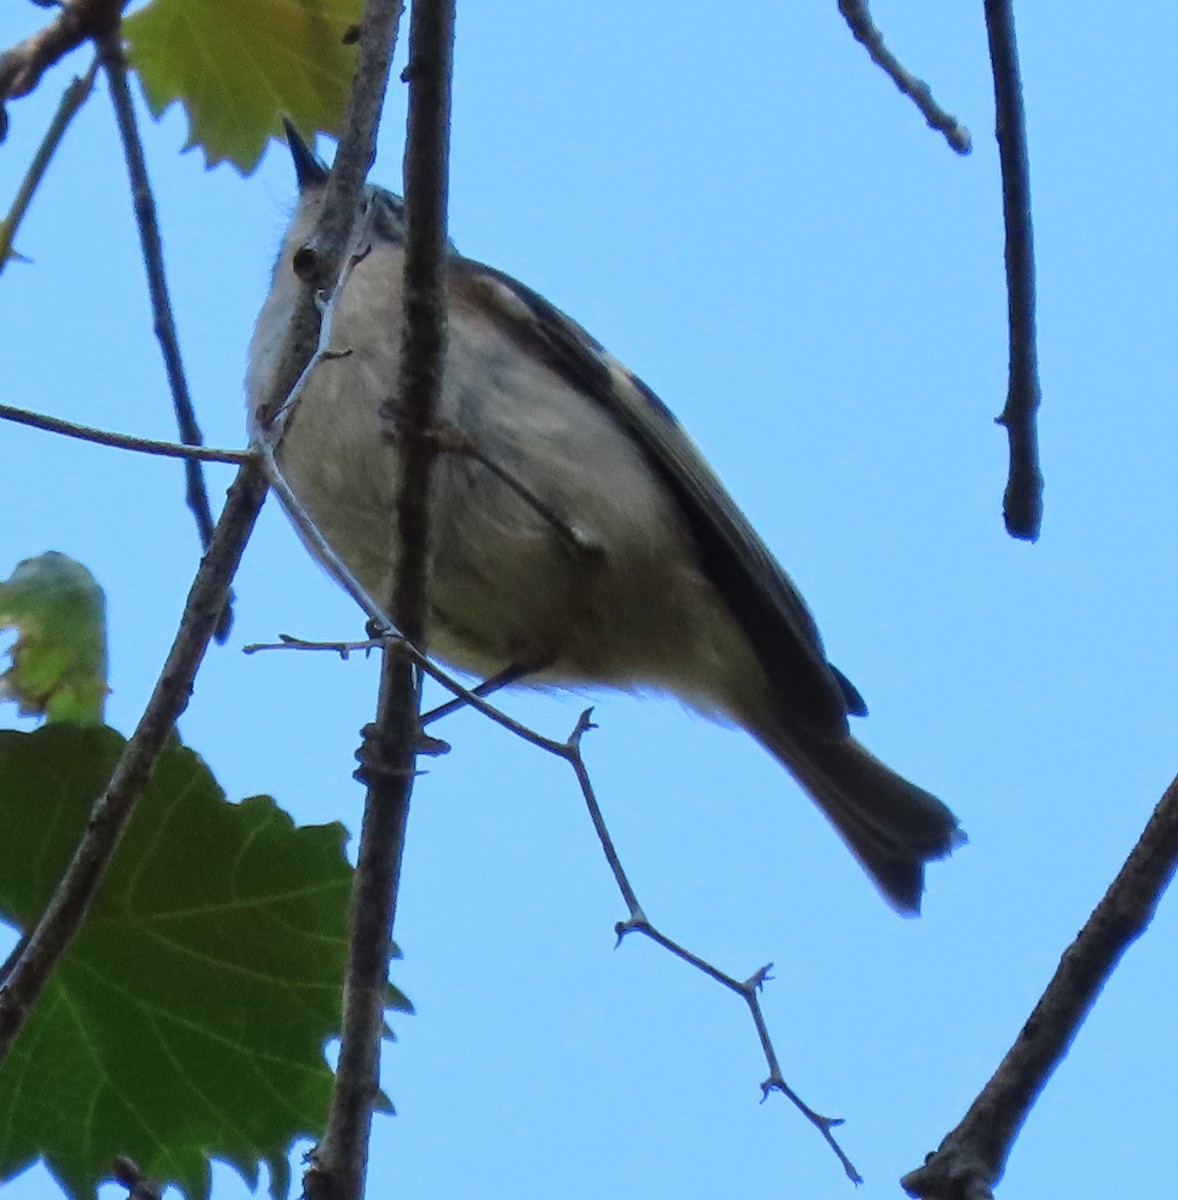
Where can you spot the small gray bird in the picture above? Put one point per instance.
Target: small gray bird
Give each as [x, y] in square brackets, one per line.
[585, 541]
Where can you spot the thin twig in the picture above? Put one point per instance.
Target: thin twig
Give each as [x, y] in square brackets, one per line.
[384, 630]
[74, 893]
[124, 441]
[355, 153]
[147, 222]
[859, 20]
[488, 687]
[572, 536]
[275, 414]
[1022, 502]
[275, 424]
[344, 649]
[321, 548]
[72, 99]
[637, 922]
[126, 1173]
[449, 439]
[972, 1158]
[338, 1165]
[569, 751]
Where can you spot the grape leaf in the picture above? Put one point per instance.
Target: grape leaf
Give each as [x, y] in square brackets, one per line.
[59, 658]
[187, 1020]
[238, 68]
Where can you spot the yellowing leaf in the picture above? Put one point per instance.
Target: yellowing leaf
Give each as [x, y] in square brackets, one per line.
[239, 66]
[59, 659]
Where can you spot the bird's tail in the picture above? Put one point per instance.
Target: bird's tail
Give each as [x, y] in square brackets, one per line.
[890, 825]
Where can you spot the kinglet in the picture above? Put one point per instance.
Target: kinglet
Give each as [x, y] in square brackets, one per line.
[580, 539]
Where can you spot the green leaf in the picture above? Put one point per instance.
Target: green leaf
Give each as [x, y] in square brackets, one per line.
[239, 66]
[188, 1019]
[59, 660]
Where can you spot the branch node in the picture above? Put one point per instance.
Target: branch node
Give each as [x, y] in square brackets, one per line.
[125, 1172]
[636, 922]
[584, 724]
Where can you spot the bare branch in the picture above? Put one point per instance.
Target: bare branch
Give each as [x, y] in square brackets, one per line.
[486, 688]
[125, 441]
[569, 751]
[389, 756]
[344, 649]
[151, 245]
[859, 20]
[637, 922]
[339, 1163]
[971, 1159]
[72, 99]
[449, 439]
[385, 632]
[72, 898]
[355, 153]
[22, 65]
[1022, 503]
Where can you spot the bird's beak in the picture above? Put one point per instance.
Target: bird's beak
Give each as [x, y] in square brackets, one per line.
[309, 170]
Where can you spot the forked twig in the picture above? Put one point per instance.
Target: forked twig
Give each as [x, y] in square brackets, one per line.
[637, 922]
[569, 751]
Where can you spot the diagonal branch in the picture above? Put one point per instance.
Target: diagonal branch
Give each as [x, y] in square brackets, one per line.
[72, 99]
[339, 1163]
[123, 441]
[972, 1158]
[637, 922]
[1022, 503]
[858, 18]
[72, 898]
[146, 221]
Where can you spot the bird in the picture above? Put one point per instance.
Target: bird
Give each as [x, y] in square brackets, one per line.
[580, 539]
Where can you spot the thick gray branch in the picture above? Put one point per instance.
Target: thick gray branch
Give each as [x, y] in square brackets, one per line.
[973, 1156]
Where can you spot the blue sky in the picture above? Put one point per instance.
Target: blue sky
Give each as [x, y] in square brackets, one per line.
[746, 212]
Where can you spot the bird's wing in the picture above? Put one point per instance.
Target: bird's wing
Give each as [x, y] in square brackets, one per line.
[759, 594]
